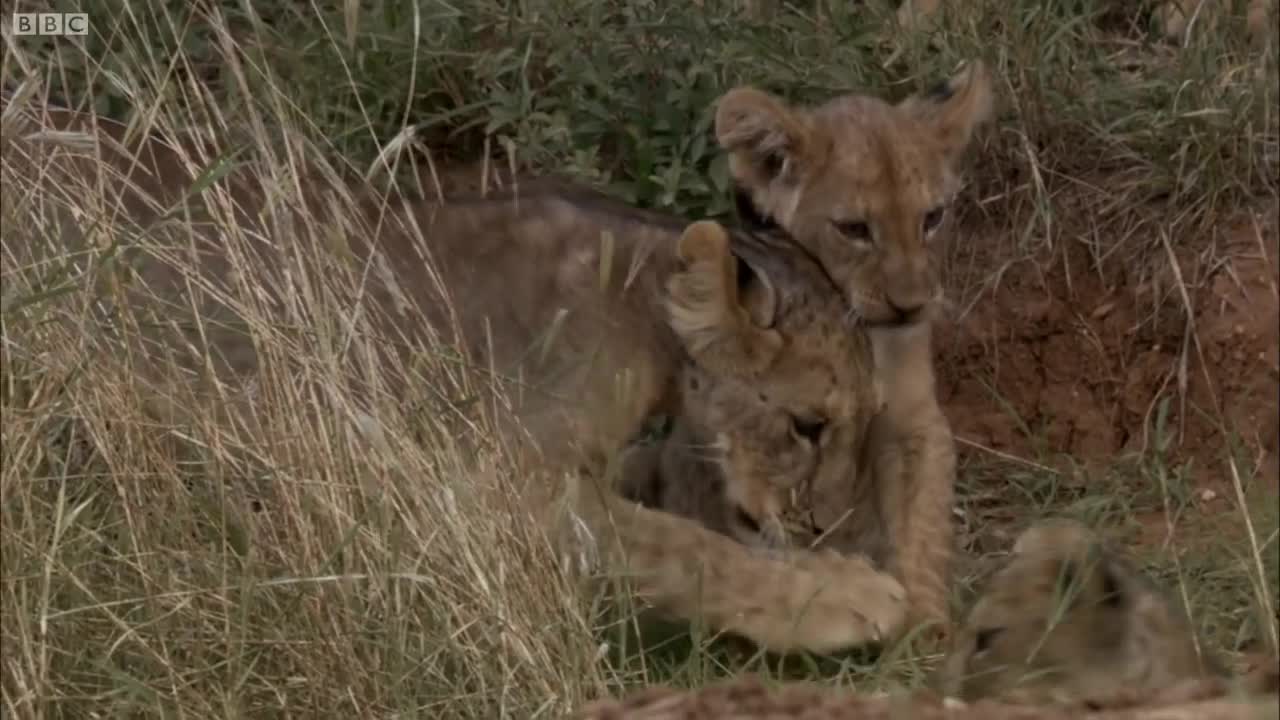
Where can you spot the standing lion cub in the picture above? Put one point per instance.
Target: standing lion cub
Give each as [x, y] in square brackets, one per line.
[592, 315]
[864, 186]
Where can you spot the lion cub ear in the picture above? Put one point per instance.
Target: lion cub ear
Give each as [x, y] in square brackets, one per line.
[765, 139]
[955, 108]
[1055, 536]
[720, 308]
[1075, 558]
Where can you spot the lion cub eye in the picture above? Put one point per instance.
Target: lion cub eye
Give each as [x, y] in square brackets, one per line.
[810, 430]
[983, 641]
[747, 521]
[856, 231]
[774, 164]
[933, 219]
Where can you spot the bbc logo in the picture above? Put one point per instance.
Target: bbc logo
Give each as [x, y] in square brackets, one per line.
[50, 23]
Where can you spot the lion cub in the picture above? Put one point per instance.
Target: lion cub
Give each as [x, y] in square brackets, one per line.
[863, 185]
[1069, 620]
[595, 315]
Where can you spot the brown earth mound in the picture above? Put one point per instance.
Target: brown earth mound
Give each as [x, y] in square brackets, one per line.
[1057, 357]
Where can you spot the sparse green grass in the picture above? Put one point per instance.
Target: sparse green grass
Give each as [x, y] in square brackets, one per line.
[1197, 547]
[306, 570]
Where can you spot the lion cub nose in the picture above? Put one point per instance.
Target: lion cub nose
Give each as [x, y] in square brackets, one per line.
[906, 314]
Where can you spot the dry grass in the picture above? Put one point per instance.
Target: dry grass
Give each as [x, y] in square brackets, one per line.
[306, 540]
[318, 544]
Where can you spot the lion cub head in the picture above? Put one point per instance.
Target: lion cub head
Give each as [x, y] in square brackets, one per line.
[863, 184]
[1068, 620]
[775, 376]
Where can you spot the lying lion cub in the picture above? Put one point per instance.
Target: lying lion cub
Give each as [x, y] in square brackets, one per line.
[865, 185]
[1067, 620]
[594, 315]
[1066, 628]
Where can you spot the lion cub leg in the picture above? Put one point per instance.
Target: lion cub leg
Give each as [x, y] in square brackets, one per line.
[816, 601]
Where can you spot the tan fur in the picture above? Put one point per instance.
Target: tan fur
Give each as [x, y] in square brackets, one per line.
[864, 185]
[1069, 620]
[704, 304]
[750, 319]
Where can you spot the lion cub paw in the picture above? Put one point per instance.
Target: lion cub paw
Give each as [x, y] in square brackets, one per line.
[703, 241]
[859, 604]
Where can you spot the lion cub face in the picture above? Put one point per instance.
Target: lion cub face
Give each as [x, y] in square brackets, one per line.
[864, 185]
[776, 375]
[1066, 620]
